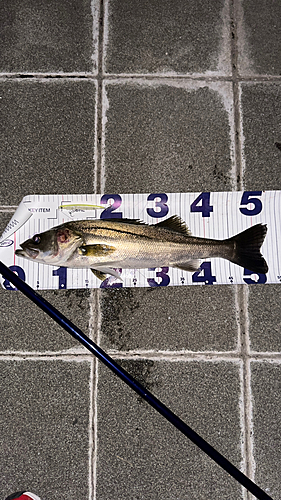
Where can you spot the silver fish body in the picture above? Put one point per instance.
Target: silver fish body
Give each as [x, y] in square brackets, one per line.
[104, 244]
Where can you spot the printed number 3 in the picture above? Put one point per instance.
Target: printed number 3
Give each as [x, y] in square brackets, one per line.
[165, 279]
[160, 204]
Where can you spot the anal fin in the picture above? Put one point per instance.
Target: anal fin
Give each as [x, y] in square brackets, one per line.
[101, 276]
[191, 265]
[101, 272]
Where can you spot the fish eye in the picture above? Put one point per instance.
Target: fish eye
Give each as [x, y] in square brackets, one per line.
[36, 239]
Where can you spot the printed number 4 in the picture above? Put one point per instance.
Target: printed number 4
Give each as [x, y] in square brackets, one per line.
[207, 277]
[202, 204]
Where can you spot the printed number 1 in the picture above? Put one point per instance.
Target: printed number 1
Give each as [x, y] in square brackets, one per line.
[61, 272]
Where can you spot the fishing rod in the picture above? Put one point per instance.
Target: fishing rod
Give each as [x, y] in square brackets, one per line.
[134, 384]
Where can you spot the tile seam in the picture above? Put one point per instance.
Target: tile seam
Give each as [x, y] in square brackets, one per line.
[95, 402]
[95, 313]
[254, 78]
[241, 307]
[99, 102]
[95, 432]
[91, 428]
[274, 357]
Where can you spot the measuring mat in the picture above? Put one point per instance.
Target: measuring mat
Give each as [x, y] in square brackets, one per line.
[207, 215]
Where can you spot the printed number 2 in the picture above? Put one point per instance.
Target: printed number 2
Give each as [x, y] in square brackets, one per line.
[165, 279]
[21, 274]
[205, 208]
[108, 213]
[247, 199]
[107, 283]
[207, 277]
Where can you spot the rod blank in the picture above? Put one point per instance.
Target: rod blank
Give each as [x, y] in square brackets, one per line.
[131, 382]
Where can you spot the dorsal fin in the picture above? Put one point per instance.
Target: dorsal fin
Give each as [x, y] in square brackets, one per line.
[175, 223]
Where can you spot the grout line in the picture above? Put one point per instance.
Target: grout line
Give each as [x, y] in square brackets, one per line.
[91, 429]
[253, 78]
[232, 356]
[95, 311]
[241, 307]
[8, 208]
[95, 432]
[242, 406]
[245, 350]
[94, 319]
[244, 340]
[45, 357]
[95, 398]
[236, 97]
[98, 179]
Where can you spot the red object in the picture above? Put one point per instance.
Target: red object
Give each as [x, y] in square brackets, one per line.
[23, 495]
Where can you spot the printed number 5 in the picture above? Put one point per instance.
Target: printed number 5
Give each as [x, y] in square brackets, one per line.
[247, 198]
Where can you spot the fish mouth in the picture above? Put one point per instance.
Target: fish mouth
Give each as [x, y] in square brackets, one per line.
[30, 253]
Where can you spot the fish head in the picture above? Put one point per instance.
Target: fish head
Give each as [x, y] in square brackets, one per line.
[50, 247]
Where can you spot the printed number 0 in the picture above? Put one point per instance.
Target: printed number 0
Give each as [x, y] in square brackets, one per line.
[21, 274]
[246, 199]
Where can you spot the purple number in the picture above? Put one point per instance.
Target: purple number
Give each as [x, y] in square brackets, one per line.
[61, 272]
[246, 199]
[21, 274]
[165, 279]
[108, 284]
[207, 277]
[261, 277]
[205, 208]
[162, 204]
[108, 212]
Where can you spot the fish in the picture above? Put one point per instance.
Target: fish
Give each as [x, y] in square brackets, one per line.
[104, 245]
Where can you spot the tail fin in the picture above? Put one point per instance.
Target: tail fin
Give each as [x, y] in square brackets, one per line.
[247, 249]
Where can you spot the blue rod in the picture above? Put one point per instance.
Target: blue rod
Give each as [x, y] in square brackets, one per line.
[131, 382]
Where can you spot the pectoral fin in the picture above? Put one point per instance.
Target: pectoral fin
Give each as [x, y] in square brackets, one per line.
[192, 265]
[96, 250]
[101, 272]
